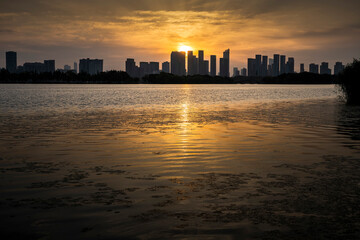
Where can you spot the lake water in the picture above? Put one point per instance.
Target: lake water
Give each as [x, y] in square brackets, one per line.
[178, 162]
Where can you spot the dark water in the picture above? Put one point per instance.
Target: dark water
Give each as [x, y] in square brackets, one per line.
[178, 161]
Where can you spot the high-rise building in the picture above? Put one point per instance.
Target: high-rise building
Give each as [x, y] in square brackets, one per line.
[49, 66]
[11, 61]
[91, 66]
[206, 67]
[243, 72]
[290, 65]
[129, 66]
[257, 65]
[35, 67]
[302, 68]
[338, 68]
[264, 66]
[192, 64]
[225, 64]
[165, 67]
[144, 69]
[282, 64]
[236, 72]
[276, 64]
[324, 68]
[251, 67]
[67, 68]
[178, 63]
[154, 68]
[201, 62]
[314, 68]
[75, 67]
[213, 65]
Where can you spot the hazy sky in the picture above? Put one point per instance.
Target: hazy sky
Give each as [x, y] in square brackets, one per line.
[64, 30]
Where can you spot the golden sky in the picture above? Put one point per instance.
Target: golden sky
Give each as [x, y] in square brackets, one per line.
[148, 30]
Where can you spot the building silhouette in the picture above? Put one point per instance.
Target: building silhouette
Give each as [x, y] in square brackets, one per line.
[130, 68]
[49, 65]
[154, 68]
[264, 66]
[192, 64]
[302, 68]
[275, 66]
[236, 72]
[178, 63]
[11, 61]
[35, 67]
[38, 67]
[75, 67]
[282, 64]
[67, 68]
[338, 68]
[251, 67]
[324, 68]
[225, 64]
[243, 72]
[165, 67]
[314, 68]
[213, 65]
[91, 66]
[290, 65]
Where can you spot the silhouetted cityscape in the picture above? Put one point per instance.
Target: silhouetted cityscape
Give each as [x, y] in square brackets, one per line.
[182, 64]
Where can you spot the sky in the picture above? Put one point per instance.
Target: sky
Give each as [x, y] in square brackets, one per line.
[148, 30]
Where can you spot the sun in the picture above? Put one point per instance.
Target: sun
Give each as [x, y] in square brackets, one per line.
[184, 48]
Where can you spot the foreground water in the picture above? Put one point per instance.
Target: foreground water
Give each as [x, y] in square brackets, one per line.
[178, 161]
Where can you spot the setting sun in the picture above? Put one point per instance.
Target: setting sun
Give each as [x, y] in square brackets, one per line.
[183, 48]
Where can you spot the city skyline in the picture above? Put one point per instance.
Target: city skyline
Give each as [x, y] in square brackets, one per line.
[183, 63]
[148, 30]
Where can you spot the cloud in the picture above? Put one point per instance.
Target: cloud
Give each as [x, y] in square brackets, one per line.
[147, 29]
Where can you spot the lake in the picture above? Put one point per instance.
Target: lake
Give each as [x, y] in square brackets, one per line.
[178, 162]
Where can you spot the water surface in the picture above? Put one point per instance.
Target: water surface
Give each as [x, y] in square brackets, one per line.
[178, 161]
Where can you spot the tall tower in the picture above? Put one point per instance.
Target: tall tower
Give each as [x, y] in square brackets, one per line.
[11, 61]
[213, 65]
[178, 63]
[276, 64]
[225, 64]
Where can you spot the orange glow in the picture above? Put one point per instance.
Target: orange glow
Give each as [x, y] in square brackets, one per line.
[184, 48]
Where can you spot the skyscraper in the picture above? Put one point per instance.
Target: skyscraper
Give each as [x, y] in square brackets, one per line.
[129, 66]
[276, 64]
[324, 68]
[165, 67]
[251, 67]
[154, 67]
[178, 63]
[264, 66]
[213, 65]
[236, 72]
[282, 64]
[225, 64]
[243, 72]
[257, 65]
[75, 67]
[91, 66]
[202, 64]
[206, 67]
[49, 66]
[314, 68]
[144, 69]
[302, 68]
[290, 65]
[338, 68]
[192, 64]
[11, 61]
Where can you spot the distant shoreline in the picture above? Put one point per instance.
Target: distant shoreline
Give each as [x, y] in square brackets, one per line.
[118, 77]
